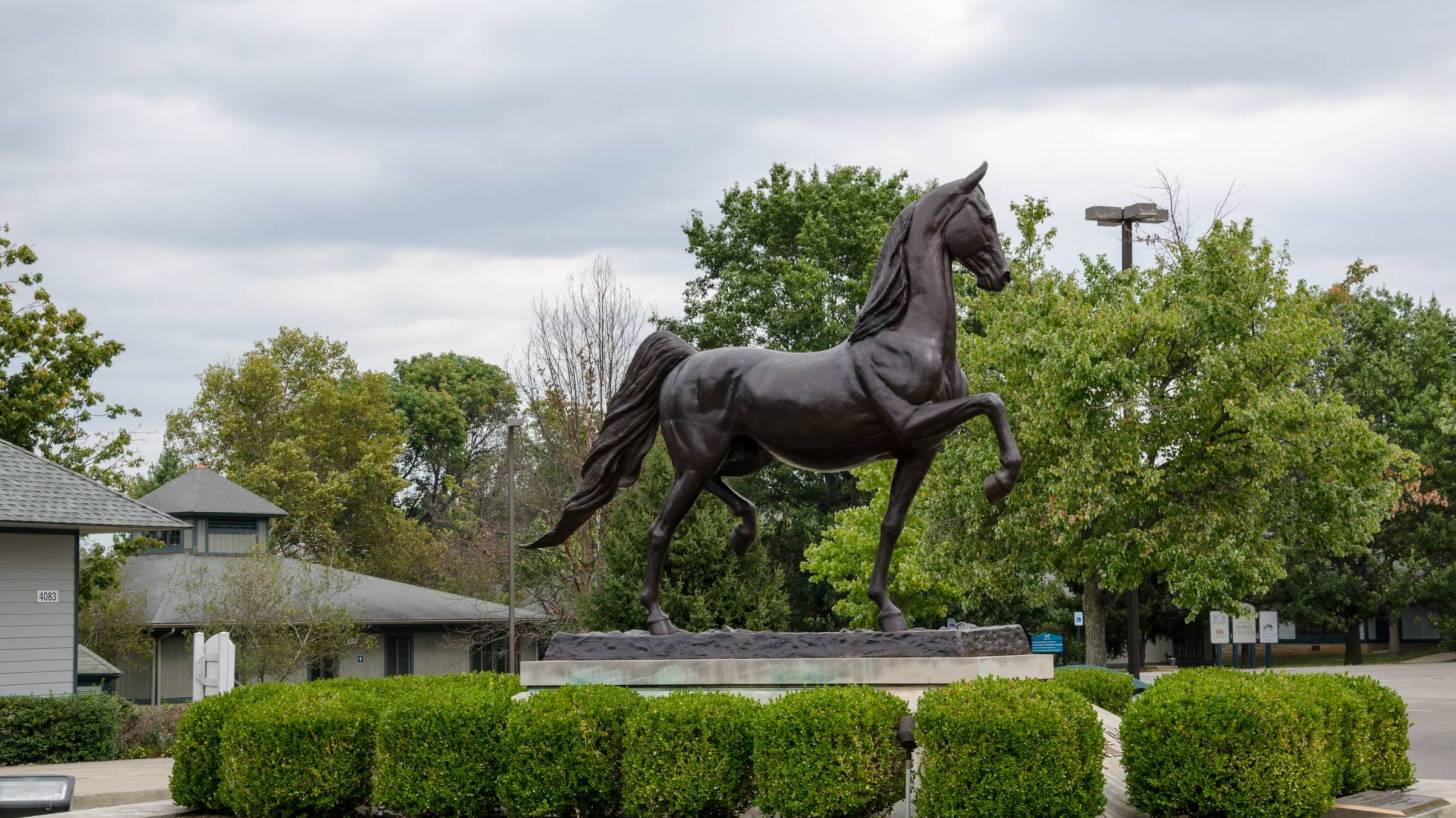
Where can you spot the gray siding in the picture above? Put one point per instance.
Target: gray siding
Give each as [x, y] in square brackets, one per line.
[37, 639]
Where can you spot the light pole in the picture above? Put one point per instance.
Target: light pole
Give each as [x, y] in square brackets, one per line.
[512, 425]
[1126, 217]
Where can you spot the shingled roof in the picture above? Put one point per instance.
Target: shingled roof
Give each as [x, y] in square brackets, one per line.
[203, 491]
[36, 493]
[170, 580]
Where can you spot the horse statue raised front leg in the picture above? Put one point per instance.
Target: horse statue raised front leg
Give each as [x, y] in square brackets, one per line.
[893, 389]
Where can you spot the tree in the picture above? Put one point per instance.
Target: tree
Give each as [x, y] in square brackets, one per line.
[1395, 360]
[706, 585]
[1168, 427]
[47, 359]
[114, 624]
[295, 421]
[282, 615]
[454, 408]
[580, 345]
[787, 266]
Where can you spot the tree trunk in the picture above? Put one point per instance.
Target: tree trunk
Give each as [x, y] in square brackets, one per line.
[1395, 634]
[1353, 654]
[1095, 619]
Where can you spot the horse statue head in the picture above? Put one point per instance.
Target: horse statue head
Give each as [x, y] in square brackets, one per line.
[968, 229]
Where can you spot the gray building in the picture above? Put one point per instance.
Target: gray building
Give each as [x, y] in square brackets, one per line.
[413, 629]
[44, 510]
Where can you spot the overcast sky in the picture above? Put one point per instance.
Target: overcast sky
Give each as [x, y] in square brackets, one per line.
[408, 176]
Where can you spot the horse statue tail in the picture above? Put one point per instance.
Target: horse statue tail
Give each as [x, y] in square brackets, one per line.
[627, 434]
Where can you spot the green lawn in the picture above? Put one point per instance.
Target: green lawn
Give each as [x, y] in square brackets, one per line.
[1335, 655]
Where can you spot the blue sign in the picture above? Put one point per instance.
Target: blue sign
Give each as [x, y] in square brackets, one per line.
[1046, 642]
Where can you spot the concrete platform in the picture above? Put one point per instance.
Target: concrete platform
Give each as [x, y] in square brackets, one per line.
[760, 673]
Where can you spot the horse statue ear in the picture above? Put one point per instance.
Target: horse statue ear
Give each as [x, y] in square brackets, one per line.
[969, 183]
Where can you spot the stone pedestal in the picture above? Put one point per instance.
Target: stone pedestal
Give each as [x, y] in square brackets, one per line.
[765, 666]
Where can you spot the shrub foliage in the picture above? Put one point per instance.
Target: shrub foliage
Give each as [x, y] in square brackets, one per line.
[1110, 691]
[438, 751]
[59, 729]
[1211, 741]
[1008, 747]
[197, 749]
[689, 754]
[565, 752]
[829, 752]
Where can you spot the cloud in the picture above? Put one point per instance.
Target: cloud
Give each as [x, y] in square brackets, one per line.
[408, 176]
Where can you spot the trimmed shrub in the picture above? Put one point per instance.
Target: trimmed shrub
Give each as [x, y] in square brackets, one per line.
[148, 730]
[197, 748]
[439, 749]
[565, 752]
[1110, 691]
[307, 751]
[1347, 726]
[689, 754]
[1212, 741]
[59, 729]
[829, 752]
[1008, 747]
[1389, 767]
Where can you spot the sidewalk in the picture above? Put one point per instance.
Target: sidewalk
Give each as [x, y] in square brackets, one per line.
[109, 783]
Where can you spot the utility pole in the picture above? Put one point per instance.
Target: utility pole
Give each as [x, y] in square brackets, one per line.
[1126, 217]
[512, 426]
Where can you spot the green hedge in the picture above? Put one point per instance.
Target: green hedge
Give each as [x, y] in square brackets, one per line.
[309, 752]
[1108, 690]
[440, 750]
[197, 749]
[829, 752]
[1008, 747]
[565, 752]
[1348, 729]
[60, 729]
[689, 754]
[1389, 767]
[1213, 741]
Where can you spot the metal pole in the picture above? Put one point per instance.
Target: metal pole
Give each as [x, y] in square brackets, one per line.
[511, 427]
[1134, 630]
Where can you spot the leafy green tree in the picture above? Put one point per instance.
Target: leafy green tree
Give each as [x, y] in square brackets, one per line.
[1395, 360]
[1167, 427]
[281, 616]
[295, 421]
[787, 266]
[454, 408]
[706, 585]
[47, 359]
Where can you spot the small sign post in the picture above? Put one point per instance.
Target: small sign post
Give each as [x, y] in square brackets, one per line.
[1047, 642]
[1245, 630]
[1077, 620]
[1269, 634]
[1218, 633]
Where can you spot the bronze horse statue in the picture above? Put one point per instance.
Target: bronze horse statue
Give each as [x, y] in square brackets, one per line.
[893, 389]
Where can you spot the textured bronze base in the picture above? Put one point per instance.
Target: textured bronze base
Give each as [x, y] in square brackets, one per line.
[963, 640]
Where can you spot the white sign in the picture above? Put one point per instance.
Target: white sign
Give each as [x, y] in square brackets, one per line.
[47, 596]
[1218, 627]
[1077, 619]
[1245, 628]
[1287, 632]
[1269, 627]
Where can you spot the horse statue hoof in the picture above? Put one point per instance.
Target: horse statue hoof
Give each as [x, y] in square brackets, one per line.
[660, 627]
[998, 485]
[892, 621]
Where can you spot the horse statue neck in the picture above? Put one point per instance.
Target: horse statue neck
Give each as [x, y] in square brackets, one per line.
[931, 307]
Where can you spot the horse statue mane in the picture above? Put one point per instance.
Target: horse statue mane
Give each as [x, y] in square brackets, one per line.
[890, 287]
